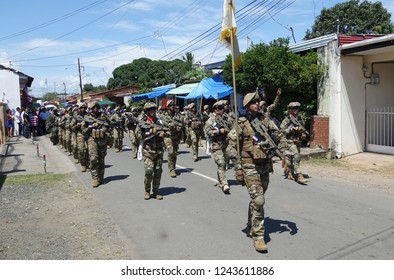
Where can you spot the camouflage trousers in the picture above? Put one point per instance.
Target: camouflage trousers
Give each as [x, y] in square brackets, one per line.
[118, 135]
[172, 146]
[74, 145]
[153, 170]
[195, 135]
[231, 152]
[134, 143]
[293, 160]
[67, 141]
[97, 149]
[82, 148]
[256, 175]
[219, 158]
[54, 136]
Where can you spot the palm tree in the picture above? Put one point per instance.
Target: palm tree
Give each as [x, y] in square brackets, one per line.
[189, 59]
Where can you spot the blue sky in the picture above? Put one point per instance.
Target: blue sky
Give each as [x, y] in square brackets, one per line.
[45, 38]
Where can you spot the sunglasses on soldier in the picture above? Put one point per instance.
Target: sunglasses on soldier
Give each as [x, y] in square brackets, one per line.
[255, 100]
[151, 109]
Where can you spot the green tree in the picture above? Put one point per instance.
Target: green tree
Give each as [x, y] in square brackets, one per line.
[354, 18]
[272, 66]
[50, 96]
[189, 59]
[196, 74]
[146, 73]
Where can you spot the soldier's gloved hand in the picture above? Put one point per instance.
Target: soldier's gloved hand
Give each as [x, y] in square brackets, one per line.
[153, 130]
[303, 136]
[161, 134]
[222, 131]
[239, 176]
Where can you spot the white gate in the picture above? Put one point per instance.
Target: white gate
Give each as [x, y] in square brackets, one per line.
[380, 130]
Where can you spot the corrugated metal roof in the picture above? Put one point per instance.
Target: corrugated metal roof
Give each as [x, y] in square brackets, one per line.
[313, 43]
[367, 42]
[348, 39]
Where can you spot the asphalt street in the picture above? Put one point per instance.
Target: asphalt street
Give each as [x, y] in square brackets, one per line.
[196, 220]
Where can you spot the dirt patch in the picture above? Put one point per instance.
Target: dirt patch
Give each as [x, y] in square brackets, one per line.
[57, 221]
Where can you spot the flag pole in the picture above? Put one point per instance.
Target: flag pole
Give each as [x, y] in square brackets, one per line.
[234, 87]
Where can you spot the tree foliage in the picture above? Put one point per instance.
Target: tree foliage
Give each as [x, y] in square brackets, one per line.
[91, 88]
[272, 66]
[354, 18]
[50, 96]
[146, 73]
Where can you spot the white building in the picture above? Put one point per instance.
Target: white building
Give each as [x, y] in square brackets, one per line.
[356, 95]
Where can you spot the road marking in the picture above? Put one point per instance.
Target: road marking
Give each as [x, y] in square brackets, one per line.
[197, 173]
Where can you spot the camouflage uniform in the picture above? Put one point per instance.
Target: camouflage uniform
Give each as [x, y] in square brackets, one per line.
[51, 125]
[81, 143]
[194, 128]
[174, 122]
[255, 165]
[153, 149]
[295, 135]
[118, 121]
[217, 133]
[98, 135]
[131, 127]
[67, 139]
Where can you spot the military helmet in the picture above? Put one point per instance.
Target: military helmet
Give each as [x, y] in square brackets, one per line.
[206, 107]
[249, 97]
[149, 105]
[94, 104]
[294, 105]
[217, 104]
[191, 105]
[83, 105]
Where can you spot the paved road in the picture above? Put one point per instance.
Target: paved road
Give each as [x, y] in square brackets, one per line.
[324, 220]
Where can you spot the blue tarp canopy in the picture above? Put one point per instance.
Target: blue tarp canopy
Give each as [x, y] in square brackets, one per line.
[156, 92]
[213, 87]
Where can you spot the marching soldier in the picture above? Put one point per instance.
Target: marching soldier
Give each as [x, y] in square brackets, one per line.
[96, 130]
[51, 125]
[256, 134]
[152, 136]
[82, 147]
[118, 121]
[267, 109]
[216, 129]
[293, 127]
[131, 126]
[195, 128]
[174, 122]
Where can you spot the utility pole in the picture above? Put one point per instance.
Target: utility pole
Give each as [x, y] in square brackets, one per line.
[80, 80]
[65, 94]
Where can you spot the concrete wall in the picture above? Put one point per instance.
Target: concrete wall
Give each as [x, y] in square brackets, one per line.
[9, 88]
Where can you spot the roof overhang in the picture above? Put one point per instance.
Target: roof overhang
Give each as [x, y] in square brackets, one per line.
[380, 45]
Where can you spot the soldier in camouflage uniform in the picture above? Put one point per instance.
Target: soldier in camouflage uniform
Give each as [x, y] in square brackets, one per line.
[216, 129]
[118, 122]
[97, 131]
[264, 109]
[194, 128]
[152, 137]
[67, 128]
[173, 121]
[256, 163]
[293, 127]
[131, 126]
[231, 149]
[51, 125]
[81, 143]
[74, 146]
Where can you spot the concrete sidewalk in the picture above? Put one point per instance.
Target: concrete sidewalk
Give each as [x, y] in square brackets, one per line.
[21, 156]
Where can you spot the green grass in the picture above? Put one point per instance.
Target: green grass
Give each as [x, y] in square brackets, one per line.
[34, 179]
[323, 162]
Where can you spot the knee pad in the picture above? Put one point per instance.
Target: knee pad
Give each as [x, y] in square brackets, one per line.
[158, 170]
[297, 158]
[259, 202]
[149, 171]
[221, 163]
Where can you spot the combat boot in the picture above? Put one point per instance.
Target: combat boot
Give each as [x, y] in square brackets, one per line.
[289, 175]
[195, 158]
[96, 183]
[146, 196]
[83, 168]
[158, 196]
[301, 180]
[173, 173]
[226, 189]
[260, 245]
[76, 161]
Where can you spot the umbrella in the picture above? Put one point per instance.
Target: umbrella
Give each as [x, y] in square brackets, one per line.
[50, 106]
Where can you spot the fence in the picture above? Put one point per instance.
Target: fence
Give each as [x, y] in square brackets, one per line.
[380, 130]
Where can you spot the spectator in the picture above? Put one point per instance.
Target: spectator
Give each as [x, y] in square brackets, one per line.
[9, 123]
[43, 115]
[34, 124]
[26, 123]
[18, 122]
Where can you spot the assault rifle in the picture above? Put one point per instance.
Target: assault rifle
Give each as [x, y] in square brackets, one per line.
[90, 120]
[148, 125]
[119, 125]
[297, 123]
[222, 124]
[262, 130]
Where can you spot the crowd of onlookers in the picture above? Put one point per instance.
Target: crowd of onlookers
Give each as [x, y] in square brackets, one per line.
[29, 122]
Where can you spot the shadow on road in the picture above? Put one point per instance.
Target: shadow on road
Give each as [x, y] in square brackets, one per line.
[171, 190]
